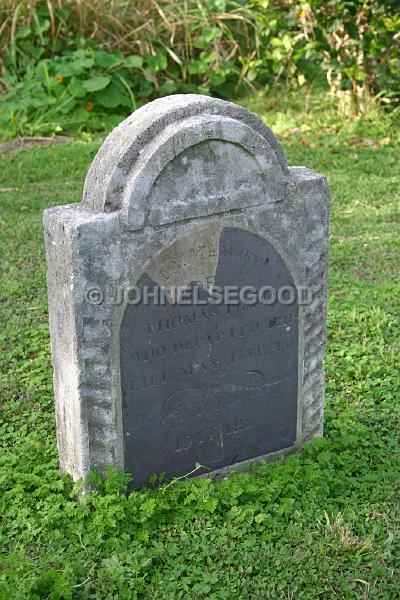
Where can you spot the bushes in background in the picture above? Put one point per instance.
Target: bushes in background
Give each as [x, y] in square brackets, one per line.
[83, 65]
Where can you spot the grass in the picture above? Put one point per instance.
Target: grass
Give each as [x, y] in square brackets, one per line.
[133, 27]
[322, 524]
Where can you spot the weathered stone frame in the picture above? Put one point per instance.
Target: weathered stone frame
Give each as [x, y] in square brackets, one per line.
[108, 240]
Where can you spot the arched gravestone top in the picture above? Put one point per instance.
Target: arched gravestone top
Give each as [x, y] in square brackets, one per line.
[127, 165]
[187, 189]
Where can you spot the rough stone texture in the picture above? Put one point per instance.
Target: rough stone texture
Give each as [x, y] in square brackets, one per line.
[164, 184]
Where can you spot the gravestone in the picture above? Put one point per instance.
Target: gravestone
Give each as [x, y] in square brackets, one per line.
[187, 297]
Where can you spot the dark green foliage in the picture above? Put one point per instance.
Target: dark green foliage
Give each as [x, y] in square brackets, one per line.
[80, 89]
[320, 524]
[81, 66]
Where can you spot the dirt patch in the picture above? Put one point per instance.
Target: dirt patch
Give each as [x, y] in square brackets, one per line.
[26, 142]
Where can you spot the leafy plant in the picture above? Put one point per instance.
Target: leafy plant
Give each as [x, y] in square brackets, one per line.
[69, 66]
[84, 87]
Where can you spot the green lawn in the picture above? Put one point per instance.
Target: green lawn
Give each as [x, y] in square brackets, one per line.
[320, 524]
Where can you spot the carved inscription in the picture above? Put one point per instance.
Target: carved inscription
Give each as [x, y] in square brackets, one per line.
[211, 384]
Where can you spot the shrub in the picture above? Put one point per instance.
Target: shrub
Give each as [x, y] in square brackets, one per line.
[71, 65]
